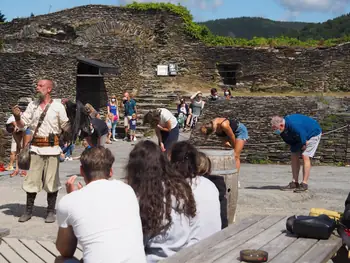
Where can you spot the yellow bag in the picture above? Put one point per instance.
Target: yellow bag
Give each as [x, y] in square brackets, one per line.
[320, 211]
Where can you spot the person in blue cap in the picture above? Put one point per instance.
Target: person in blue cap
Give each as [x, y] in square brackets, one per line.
[303, 134]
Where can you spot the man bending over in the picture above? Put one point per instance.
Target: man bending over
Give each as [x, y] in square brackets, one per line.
[303, 134]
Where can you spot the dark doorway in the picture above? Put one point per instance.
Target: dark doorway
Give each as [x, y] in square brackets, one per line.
[228, 73]
[91, 87]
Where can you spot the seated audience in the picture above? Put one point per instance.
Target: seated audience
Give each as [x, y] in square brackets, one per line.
[167, 205]
[184, 157]
[102, 216]
[182, 113]
[204, 169]
[67, 151]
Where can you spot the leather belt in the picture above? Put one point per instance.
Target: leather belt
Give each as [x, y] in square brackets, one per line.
[44, 141]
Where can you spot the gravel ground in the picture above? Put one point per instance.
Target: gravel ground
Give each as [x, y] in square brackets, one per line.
[258, 194]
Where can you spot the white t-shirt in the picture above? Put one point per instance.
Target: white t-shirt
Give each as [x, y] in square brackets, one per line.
[106, 221]
[206, 195]
[182, 233]
[165, 116]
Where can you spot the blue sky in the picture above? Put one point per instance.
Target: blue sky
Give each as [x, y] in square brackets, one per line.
[292, 10]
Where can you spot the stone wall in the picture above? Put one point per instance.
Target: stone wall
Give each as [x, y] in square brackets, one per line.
[136, 42]
[265, 147]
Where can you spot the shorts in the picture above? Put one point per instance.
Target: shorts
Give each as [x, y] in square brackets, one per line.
[126, 121]
[132, 132]
[312, 145]
[242, 132]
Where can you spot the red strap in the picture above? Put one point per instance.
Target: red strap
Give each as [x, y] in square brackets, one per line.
[347, 231]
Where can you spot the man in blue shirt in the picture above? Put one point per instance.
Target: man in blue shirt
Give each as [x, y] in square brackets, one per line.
[129, 110]
[303, 134]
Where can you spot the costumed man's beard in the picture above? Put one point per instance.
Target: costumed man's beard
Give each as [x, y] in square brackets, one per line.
[40, 96]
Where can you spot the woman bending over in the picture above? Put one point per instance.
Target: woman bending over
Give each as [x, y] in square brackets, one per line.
[233, 133]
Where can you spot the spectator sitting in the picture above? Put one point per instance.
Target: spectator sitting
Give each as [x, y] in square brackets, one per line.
[184, 158]
[102, 216]
[182, 112]
[227, 94]
[213, 95]
[167, 205]
[132, 125]
[67, 151]
[204, 169]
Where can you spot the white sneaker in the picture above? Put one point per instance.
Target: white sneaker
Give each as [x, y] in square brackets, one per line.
[135, 139]
[125, 139]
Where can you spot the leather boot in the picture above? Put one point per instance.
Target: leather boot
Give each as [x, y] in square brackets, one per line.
[29, 208]
[51, 204]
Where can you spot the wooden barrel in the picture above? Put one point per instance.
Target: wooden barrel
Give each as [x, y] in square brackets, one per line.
[223, 164]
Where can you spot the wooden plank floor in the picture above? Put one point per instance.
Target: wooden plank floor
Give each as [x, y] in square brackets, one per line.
[258, 232]
[13, 250]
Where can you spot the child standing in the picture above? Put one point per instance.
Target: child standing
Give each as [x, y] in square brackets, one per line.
[109, 121]
[132, 125]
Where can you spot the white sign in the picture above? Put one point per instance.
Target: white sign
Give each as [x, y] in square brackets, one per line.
[162, 70]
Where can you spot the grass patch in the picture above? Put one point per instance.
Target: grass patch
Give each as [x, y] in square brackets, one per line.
[203, 33]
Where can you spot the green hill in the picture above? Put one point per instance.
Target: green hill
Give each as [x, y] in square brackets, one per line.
[249, 27]
[334, 28]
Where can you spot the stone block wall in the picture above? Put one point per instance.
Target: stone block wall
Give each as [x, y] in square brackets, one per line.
[265, 147]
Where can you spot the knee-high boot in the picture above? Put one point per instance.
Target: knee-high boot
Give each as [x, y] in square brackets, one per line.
[29, 208]
[51, 204]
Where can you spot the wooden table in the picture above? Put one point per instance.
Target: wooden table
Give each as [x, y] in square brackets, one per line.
[13, 250]
[258, 232]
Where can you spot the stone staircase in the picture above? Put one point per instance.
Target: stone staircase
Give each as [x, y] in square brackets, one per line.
[151, 96]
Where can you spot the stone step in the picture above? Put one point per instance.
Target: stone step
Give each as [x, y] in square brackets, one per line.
[170, 96]
[154, 99]
[138, 123]
[151, 105]
[142, 111]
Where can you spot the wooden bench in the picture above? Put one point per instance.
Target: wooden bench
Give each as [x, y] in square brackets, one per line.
[13, 250]
[3, 233]
[259, 232]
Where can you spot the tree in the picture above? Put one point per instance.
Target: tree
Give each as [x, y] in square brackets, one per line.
[31, 14]
[2, 17]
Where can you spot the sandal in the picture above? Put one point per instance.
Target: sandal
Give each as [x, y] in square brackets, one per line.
[23, 173]
[14, 173]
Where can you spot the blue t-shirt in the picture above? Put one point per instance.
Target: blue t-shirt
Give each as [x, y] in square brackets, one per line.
[132, 124]
[299, 129]
[129, 107]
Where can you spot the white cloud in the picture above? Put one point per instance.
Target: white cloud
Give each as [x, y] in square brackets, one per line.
[323, 6]
[202, 4]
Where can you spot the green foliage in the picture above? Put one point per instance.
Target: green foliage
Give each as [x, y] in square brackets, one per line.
[203, 33]
[2, 17]
[248, 27]
[1, 44]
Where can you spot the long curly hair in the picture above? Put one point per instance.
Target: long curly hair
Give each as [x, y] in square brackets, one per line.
[157, 185]
[184, 159]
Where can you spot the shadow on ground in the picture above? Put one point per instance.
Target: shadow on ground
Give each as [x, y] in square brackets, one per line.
[17, 210]
[266, 187]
